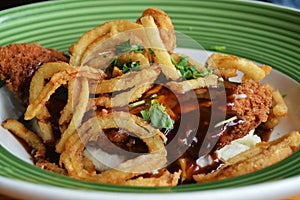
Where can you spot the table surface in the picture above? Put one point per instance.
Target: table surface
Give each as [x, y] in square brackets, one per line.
[14, 3]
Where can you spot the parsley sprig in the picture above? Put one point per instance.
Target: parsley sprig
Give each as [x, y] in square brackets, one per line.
[158, 116]
[127, 47]
[125, 67]
[189, 72]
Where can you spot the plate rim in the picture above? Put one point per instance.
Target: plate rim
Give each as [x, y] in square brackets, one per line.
[50, 2]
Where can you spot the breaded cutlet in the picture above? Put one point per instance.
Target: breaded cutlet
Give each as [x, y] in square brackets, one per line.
[18, 62]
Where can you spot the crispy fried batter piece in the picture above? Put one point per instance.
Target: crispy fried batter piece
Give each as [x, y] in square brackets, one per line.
[18, 62]
[252, 102]
[255, 158]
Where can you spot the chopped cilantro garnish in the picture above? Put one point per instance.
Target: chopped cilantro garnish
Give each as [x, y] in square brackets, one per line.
[145, 115]
[158, 116]
[125, 67]
[126, 47]
[189, 72]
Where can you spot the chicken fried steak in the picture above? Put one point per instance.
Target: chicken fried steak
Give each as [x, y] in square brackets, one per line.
[18, 62]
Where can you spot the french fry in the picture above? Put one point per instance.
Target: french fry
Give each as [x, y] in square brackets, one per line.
[67, 112]
[164, 25]
[277, 112]
[255, 158]
[162, 56]
[250, 70]
[279, 108]
[44, 164]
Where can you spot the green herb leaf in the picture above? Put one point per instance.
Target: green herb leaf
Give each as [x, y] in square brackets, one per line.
[125, 67]
[158, 116]
[189, 72]
[145, 115]
[126, 47]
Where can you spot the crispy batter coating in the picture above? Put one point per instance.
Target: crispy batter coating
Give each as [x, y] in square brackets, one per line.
[257, 103]
[18, 62]
[252, 102]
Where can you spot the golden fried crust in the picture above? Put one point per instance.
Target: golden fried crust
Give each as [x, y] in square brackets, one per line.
[252, 102]
[18, 62]
[165, 25]
[257, 104]
[255, 158]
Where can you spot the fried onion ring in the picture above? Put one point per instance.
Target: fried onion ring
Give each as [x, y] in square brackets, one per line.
[78, 114]
[124, 82]
[37, 83]
[72, 155]
[137, 85]
[55, 82]
[103, 39]
[32, 139]
[87, 72]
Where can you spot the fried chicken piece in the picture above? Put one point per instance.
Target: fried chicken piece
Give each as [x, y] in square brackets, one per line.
[18, 62]
[251, 103]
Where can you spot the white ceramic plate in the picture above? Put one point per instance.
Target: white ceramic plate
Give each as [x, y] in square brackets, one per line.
[260, 32]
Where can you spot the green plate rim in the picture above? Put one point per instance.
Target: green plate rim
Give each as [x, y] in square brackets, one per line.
[245, 44]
